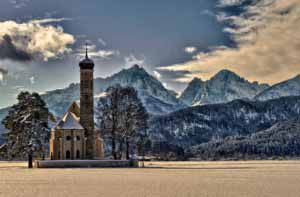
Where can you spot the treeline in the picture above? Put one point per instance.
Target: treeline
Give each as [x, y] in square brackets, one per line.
[280, 141]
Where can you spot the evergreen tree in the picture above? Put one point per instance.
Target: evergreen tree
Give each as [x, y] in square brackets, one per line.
[27, 125]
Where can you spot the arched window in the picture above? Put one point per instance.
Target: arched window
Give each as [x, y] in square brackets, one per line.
[68, 138]
[68, 154]
[77, 154]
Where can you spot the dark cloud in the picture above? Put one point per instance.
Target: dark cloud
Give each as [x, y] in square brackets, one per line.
[9, 51]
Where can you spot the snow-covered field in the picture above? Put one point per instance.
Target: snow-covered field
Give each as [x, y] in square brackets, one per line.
[166, 179]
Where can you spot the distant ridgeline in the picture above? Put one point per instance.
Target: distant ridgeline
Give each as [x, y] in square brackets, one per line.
[219, 131]
[282, 140]
[207, 117]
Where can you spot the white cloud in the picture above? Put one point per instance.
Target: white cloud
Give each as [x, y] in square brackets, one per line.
[32, 80]
[49, 20]
[104, 54]
[96, 53]
[268, 44]
[227, 3]
[3, 76]
[190, 49]
[37, 40]
[157, 74]
[19, 3]
[102, 42]
[132, 60]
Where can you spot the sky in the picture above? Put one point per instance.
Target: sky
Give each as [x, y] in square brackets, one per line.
[41, 42]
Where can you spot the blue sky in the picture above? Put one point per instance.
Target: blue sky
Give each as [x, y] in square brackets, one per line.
[42, 41]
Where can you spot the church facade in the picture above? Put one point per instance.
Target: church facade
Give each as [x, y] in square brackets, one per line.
[75, 136]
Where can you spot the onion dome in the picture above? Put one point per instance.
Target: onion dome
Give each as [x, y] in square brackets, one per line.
[86, 63]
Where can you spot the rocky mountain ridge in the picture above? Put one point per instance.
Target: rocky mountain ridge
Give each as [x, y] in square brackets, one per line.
[156, 98]
[290, 87]
[224, 87]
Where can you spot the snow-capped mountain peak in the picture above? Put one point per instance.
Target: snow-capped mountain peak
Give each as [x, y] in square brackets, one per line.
[226, 75]
[156, 98]
[191, 91]
[225, 86]
[289, 87]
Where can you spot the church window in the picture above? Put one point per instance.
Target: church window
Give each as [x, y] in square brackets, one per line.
[77, 154]
[68, 154]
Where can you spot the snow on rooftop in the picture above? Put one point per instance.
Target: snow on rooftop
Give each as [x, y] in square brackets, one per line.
[69, 121]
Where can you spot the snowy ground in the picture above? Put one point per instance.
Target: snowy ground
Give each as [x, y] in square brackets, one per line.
[174, 179]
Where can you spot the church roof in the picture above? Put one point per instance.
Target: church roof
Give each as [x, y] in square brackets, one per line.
[86, 63]
[75, 109]
[71, 119]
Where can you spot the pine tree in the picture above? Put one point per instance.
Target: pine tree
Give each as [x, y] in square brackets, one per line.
[27, 125]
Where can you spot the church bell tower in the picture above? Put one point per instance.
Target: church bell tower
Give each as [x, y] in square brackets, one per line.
[87, 103]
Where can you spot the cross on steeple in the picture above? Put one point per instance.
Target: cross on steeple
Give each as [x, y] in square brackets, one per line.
[86, 51]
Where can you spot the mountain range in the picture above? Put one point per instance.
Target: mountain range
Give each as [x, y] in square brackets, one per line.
[155, 97]
[224, 107]
[227, 86]
[224, 87]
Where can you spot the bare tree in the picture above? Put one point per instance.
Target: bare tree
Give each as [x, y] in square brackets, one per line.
[122, 115]
[108, 115]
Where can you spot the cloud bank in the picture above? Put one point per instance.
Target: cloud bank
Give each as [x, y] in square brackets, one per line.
[34, 39]
[19, 3]
[267, 38]
[96, 53]
[133, 60]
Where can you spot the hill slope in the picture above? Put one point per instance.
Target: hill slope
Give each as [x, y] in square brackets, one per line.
[281, 140]
[201, 124]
